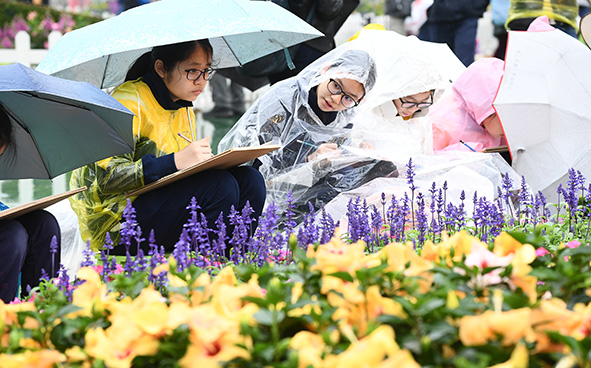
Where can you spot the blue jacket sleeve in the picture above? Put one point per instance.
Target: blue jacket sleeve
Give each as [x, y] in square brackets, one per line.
[157, 167]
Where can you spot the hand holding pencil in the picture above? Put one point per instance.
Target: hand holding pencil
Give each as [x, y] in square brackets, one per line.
[325, 149]
[194, 153]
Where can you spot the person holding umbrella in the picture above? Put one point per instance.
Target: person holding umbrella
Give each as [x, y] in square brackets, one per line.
[160, 89]
[25, 241]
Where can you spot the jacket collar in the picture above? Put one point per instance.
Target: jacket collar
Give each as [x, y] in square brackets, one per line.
[162, 94]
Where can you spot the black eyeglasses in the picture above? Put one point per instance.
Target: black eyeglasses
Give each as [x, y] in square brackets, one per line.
[194, 74]
[420, 105]
[335, 88]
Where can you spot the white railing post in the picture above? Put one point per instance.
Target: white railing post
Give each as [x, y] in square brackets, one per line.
[25, 191]
[22, 45]
[59, 184]
[53, 37]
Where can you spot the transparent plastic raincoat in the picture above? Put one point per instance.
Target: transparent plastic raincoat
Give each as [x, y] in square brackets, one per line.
[100, 207]
[407, 67]
[285, 115]
[565, 11]
[480, 173]
[459, 116]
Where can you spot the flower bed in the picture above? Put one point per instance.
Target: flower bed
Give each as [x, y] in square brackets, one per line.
[509, 287]
[38, 21]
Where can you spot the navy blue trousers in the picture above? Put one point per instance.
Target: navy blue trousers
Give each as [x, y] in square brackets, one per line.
[216, 191]
[24, 248]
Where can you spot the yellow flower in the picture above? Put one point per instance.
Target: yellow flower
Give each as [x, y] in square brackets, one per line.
[474, 330]
[32, 359]
[519, 358]
[398, 256]
[512, 325]
[338, 256]
[214, 339]
[370, 351]
[452, 300]
[90, 294]
[309, 347]
[505, 244]
[520, 274]
[75, 354]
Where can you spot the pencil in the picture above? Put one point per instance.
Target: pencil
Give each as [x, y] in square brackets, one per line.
[185, 138]
[307, 144]
[472, 149]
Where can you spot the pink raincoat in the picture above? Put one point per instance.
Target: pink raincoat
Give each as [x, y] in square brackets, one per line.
[459, 115]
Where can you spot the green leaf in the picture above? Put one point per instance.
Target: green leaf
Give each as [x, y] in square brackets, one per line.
[345, 276]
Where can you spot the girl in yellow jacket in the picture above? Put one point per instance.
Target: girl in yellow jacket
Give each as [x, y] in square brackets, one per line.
[159, 90]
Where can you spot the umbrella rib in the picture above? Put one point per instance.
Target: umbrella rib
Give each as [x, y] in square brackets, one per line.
[105, 70]
[232, 51]
[29, 94]
[26, 129]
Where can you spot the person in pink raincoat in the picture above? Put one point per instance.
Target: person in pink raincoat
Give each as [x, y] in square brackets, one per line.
[467, 114]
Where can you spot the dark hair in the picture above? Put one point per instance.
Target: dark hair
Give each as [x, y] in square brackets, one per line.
[170, 55]
[6, 138]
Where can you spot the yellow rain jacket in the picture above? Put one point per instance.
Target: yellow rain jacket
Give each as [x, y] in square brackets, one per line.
[100, 207]
[565, 11]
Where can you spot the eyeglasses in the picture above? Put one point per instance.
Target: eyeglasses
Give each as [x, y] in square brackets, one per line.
[420, 105]
[194, 74]
[335, 88]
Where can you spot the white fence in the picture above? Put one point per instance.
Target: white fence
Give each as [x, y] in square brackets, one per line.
[22, 53]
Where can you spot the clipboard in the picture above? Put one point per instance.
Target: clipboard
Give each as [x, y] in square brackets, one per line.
[17, 211]
[499, 149]
[225, 160]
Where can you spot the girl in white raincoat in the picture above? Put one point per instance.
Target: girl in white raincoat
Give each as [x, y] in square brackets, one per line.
[309, 116]
[392, 120]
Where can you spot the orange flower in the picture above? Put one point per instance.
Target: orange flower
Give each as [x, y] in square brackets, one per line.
[32, 359]
[512, 325]
[338, 256]
[309, 347]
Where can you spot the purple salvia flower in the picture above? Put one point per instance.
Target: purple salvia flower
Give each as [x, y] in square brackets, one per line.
[181, 252]
[410, 180]
[219, 245]
[239, 236]
[421, 219]
[289, 214]
[129, 226]
[88, 256]
[327, 227]
[308, 232]
[44, 275]
[53, 249]
[64, 283]
[376, 226]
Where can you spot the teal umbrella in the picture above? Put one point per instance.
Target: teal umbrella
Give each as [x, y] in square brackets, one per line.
[58, 125]
[238, 30]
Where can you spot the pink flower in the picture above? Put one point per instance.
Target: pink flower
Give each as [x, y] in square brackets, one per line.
[573, 244]
[31, 15]
[541, 251]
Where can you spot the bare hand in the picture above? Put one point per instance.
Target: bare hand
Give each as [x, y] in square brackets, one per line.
[193, 154]
[325, 150]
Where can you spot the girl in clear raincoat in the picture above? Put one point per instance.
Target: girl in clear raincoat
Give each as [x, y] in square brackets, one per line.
[309, 116]
[467, 114]
[392, 121]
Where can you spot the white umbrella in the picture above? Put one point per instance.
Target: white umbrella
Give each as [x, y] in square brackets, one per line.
[239, 31]
[544, 105]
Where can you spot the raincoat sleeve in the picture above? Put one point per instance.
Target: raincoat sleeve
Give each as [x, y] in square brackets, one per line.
[122, 173]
